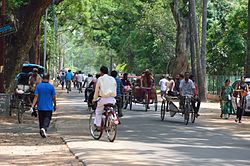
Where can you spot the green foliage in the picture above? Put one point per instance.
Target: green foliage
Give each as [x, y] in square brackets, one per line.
[227, 28]
[14, 4]
[141, 34]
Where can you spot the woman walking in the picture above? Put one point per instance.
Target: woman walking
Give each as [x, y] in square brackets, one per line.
[226, 100]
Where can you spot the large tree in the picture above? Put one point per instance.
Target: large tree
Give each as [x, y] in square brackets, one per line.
[28, 15]
[181, 17]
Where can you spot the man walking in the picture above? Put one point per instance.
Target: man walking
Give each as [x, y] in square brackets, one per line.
[80, 79]
[106, 90]
[45, 97]
[69, 78]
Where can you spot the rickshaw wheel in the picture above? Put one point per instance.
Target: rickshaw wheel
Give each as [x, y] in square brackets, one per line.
[163, 110]
[20, 112]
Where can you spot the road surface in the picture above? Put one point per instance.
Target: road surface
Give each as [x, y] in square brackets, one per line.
[143, 139]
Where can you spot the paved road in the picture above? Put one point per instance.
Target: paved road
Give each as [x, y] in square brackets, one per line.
[145, 140]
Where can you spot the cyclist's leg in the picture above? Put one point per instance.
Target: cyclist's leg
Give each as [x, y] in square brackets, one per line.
[69, 85]
[86, 94]
[241, 108]
[98, 114]
[100, 108]
[80, 86]
[198, 100]
[181, 102]
[62, 85]
[119, 105]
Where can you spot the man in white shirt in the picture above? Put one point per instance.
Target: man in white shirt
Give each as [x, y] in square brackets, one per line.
[105, 90]
[163, 83]
[187, 88]
[79, 79]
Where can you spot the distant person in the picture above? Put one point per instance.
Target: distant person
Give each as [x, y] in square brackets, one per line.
[187, 88]
[62, 79]
[118, 92]
[88, 88]
[80, 80]
[69, 78]
[75, 79]
[88, 80]
[163, 85]
[147, 79]
[34, 80]
[242, 89]
[178, 79]
[125, 81]
[171, 86]
[45, 97]
[196, 100]
[226, 100]
[92, 85]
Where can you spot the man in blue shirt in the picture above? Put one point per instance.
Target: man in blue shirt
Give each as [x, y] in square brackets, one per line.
[118, 92]
[45, 97]
[69, 78]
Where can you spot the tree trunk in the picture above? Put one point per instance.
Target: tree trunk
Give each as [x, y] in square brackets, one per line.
[182, 40]
[201, 82]
[19, 44]
[192, 47]
[34, 52]
[247, 69]
[203, 48]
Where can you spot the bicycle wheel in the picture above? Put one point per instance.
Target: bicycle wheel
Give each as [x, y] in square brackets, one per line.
[192, 117]
[111, 128]
[93, 131]
[163, 110]
[186, 117]
[20, 112]
[186, 113]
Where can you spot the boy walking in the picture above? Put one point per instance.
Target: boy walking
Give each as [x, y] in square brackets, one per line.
[45, 97]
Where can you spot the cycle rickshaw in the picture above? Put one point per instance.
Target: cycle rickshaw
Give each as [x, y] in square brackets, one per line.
[187, 110]
[22, 97]
[143, 95]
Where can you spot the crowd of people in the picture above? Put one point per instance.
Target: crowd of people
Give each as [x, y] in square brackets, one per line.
[103, 88]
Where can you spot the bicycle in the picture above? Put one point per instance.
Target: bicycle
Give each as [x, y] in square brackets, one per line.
[109, 123]
[188, 109]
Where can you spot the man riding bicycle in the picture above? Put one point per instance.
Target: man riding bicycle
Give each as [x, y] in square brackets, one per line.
[69, 78]
[105, 90]
[187, 88]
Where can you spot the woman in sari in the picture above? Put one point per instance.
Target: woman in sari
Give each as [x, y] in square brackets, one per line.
[226, 100]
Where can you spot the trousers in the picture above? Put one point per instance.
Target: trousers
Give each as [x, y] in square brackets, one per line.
[100, 109]
[44, 119]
